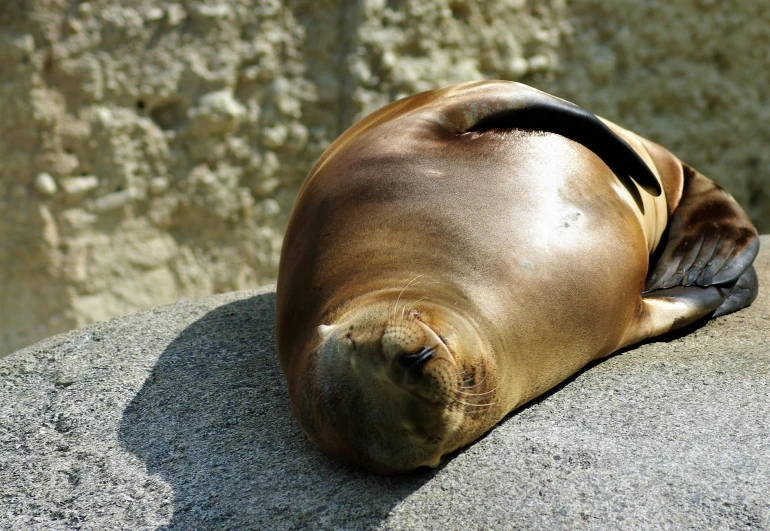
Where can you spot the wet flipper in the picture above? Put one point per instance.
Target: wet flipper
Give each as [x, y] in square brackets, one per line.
[711, 241]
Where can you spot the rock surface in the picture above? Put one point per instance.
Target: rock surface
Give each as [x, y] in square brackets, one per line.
[150, 150]
[178, 418]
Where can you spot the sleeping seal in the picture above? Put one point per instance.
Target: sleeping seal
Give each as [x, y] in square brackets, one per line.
[459, 252]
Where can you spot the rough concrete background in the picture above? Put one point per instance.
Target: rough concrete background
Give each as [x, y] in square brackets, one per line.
[150, 151]
[178, 418]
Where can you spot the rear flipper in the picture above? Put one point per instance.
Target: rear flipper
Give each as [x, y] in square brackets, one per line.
[742, 295]
[705, 268]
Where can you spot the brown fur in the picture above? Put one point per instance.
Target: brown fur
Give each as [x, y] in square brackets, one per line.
[515, 254]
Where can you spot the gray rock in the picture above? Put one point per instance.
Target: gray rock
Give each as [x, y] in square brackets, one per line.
[178, 417]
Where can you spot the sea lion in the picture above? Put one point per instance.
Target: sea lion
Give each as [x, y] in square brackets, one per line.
[459, 252]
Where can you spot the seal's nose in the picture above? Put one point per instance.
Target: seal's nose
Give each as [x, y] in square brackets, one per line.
[414, 362]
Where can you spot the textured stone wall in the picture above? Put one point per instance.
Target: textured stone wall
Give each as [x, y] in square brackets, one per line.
[151, 151]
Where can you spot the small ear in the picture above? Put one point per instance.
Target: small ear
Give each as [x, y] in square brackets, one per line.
[325, 330]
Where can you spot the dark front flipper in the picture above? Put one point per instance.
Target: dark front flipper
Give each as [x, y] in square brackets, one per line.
[711, 241]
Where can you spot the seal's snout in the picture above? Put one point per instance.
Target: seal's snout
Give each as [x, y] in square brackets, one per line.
[413, 363]
[389, 389]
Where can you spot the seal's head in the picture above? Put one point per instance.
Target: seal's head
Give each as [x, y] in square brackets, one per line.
[396, 386]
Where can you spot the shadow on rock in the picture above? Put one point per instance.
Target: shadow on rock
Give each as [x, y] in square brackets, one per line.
[214, 421]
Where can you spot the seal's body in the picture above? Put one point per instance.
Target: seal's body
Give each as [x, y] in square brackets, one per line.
[462, 251]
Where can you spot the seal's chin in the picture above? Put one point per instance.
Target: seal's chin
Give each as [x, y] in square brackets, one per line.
[386, 389]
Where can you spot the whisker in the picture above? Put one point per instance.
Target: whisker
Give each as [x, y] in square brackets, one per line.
[468, 395]
[405, 315]
[487, 404]
[402, 292]
[462, 377]
[460, 392]
[418, 301]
